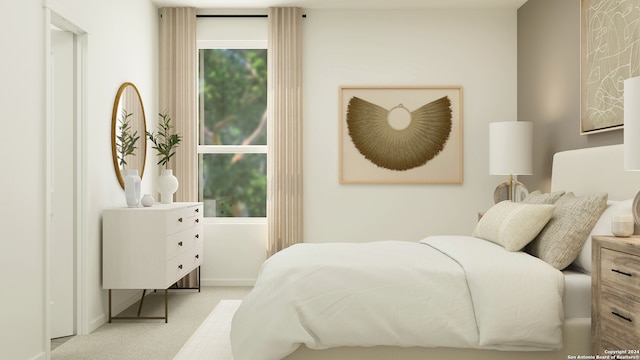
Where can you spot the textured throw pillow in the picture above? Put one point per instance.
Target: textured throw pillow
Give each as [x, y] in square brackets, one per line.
[561, 240]
[602, 227]
[537, 197]
[513, 225]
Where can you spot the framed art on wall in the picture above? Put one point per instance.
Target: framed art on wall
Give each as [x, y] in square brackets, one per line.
[400, 134]
[609, 42]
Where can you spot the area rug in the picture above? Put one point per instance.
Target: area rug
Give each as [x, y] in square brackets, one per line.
[211, 339]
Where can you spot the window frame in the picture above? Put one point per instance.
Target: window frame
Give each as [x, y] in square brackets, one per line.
[228, 149]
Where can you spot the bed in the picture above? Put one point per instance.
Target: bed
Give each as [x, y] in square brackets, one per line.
[380, 316]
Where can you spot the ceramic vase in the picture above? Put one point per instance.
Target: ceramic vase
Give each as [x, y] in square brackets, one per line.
[147, 200]
[132, 187]
[167, 186]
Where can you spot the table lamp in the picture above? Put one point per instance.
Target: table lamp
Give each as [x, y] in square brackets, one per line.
[632, 133]
[510, 152]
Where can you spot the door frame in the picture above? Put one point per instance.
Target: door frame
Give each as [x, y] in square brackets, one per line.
[54, 15]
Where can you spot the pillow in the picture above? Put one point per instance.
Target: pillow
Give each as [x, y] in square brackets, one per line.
[537, 197]
[602, 227]
[560, 241]
[513, 225]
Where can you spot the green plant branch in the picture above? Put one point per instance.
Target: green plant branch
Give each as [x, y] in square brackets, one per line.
[126, 141]
[164, 141]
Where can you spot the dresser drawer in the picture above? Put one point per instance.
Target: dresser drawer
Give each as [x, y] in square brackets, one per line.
[183, 218]
[177, 267]
[187, 261]
[183, 240]
[620, 270]
[198, 250]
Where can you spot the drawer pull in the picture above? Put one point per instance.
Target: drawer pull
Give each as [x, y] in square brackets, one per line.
[180, 266]
[197, 210]
[197, 236]
[622, 317]
[621, 272]
[180, 243]
[197, 221]
[179, 219]
[197, 256]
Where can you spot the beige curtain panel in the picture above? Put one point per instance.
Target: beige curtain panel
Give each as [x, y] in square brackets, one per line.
[178, 97]
[284, 159]
[178, 77]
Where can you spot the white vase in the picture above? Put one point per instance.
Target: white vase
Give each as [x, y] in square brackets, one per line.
[167, 186]
[147, 200]
[132, 187]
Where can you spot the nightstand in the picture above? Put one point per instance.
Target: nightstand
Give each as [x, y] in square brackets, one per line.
[615, 294]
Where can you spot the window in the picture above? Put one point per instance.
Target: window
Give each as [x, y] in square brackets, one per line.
[232, 132]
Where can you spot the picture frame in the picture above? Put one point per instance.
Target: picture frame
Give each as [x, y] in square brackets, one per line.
[610, 53]
[382, 141]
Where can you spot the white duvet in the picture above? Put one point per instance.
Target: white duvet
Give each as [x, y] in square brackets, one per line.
[450, 291]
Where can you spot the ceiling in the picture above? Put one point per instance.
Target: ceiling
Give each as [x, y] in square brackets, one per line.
[341, 4]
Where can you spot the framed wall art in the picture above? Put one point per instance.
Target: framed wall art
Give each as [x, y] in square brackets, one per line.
[610, 53]
[400, 134]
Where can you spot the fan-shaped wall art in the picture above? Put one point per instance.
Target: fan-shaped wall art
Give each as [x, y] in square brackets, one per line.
[401, 135]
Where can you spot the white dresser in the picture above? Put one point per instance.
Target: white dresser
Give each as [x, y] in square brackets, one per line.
[150, 247]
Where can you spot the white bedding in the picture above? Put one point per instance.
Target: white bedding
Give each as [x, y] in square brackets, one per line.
[451, 291]
[577, 294]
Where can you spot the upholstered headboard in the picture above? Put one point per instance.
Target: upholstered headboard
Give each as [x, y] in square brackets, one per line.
[594, 170]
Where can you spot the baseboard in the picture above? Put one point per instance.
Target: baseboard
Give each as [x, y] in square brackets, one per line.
[115, 309]
[40, 356]
[227, 282]
[97, 322]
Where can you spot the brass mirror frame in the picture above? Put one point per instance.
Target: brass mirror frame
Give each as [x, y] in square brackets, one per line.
[114, 126]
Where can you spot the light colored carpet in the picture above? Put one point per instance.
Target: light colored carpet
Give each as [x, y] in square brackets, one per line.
[150, 339]
[211, 340]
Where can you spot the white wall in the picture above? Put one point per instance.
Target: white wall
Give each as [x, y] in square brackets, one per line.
[122, 46]
[473, 48]
[21, 179]
[120, 50]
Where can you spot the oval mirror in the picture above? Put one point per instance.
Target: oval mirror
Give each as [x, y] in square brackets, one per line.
[128, 132]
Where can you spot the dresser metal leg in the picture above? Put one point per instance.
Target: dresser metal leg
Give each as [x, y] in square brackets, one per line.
[166, 310]
[144, 291]
[109, 305]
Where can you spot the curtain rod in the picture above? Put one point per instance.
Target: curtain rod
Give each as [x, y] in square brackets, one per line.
[238, 16]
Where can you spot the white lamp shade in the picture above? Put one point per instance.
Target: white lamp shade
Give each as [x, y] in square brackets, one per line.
[632, 124]
[510, 148]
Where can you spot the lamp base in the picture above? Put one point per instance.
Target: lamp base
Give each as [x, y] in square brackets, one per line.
[635, 209]
[503, 189]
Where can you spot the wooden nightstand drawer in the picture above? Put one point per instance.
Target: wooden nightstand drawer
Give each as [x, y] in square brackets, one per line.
[616, 339]
[615, 295]
[619, 310]
[620, 270]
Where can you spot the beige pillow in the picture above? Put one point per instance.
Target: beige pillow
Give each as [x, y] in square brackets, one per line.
[602, 227]
[537, 197]
[559, 243]
[513, 225]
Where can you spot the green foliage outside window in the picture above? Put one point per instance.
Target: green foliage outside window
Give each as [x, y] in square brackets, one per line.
[233, 95]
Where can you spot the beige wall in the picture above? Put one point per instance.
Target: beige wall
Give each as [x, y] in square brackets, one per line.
[549, 84]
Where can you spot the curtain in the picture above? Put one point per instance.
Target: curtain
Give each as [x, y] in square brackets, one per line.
[284, 131]
[178, 97]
